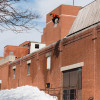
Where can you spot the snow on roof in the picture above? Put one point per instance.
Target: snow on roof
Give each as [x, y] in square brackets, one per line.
[25, 93]
[86, 17]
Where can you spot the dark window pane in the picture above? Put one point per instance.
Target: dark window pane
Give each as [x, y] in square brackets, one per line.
[65, 91]
[37, 46]
[47, 85]
[13, 73]
[72, 91]
[28, 69]
[65, 94]
[72, 94]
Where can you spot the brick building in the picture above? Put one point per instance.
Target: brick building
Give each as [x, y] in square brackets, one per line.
[68, 65]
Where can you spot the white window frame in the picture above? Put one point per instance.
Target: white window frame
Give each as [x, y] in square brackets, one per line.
[28, 64]
[29, 68]
[0, 81]
[48, 62]
[14, 71]
[38, 45]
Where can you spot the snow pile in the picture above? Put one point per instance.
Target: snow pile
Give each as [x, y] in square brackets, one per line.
[25, 93]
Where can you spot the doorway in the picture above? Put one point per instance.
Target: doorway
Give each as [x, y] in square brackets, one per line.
[72, 84]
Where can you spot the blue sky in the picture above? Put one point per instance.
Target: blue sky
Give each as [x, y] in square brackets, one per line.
[42, 7]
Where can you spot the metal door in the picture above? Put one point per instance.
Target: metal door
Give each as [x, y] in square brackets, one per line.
[72, 84]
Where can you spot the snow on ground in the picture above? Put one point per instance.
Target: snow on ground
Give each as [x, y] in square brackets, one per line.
[25, 93]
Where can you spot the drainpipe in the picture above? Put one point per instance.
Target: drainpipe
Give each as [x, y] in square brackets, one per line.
[94, 50]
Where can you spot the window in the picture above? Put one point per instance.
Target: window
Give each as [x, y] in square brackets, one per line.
[29, 69]
[37, 46]
[69, 94]
[14, 73]
[47, 85]
[48, 62]
[10, 52]
[73, 94]
[48, 58]
[72, 82]
[28, 63]
[65, 94]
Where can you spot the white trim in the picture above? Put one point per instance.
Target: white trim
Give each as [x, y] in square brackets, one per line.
[68, 15]
[62, 15]
[77, 65]
[49, 22]
[0, 81]
[29, 61]
[14, 67]
[48, 62]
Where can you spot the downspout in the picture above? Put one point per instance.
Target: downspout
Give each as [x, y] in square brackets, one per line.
[94, 50]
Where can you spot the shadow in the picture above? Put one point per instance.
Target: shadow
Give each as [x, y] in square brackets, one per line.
[56, 49]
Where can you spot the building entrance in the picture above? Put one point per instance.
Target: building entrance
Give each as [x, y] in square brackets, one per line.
[72, 84]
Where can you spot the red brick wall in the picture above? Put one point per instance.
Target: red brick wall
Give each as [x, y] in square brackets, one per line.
[36, 77]
[79, 48]
[97, 62]
[4, 75]
[83, 47]
[25, 43]
[52, 34]
[17, 51]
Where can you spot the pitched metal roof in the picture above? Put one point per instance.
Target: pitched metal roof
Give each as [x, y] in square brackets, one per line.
[86, 17]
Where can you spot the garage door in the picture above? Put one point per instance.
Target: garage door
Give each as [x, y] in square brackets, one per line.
[72, 84]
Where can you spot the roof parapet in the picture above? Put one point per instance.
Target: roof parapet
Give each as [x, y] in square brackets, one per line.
[9, 58]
